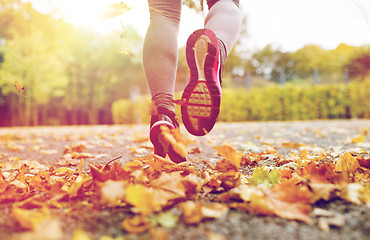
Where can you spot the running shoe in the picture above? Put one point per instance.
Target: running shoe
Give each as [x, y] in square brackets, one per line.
[162, 135]
[202, 95]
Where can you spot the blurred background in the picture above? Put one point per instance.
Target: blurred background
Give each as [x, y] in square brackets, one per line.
[61, 64]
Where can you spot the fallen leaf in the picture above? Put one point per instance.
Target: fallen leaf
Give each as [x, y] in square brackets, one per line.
[49, 229]
[347, 164]
[113, 192]
[264, 177]
[80, 234]
[191, 212]
[230, 154]
[359, 139]
[141, 198]
[30, 219]
[135, 224]
[164, 219]
[214, 210]
[215, 236]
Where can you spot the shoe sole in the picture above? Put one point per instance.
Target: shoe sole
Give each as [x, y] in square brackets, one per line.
[203, 93]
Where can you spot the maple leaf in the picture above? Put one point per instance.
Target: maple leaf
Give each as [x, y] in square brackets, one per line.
[347, 164]
[116, 172]
[264, 177]
[142, 198]
[168, 187]
[320, 173]
[231, 155]
[79, 147]
[269, 204]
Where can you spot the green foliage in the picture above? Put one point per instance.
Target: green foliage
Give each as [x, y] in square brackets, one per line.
[296, 102]
[125, 111]
[289, 102]
[70, 75]
[264, 177]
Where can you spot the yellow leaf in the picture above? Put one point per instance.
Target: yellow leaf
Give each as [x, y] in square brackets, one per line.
[127, 51]
[142, 198]
[230, 154]
[347, 163]
[18, 86]
[79, 234]
[30, 219]
[114, 10]
[359, 139]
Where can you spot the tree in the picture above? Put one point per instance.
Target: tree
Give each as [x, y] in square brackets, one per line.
[270, 63]
[359, 67]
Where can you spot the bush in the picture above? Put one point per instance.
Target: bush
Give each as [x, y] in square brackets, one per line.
[289, 102]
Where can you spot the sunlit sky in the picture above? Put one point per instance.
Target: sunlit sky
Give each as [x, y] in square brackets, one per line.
[288, 24]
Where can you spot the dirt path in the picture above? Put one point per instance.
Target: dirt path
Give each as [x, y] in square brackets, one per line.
[49, 147]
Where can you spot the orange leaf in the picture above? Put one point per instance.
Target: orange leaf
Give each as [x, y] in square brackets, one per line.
[230, 154]
[268, 205]
[168, 187]
[191, 212]
[136, 224]
[347, 163]
[321, 173]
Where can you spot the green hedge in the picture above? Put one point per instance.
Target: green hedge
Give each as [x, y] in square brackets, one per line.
[289, 102]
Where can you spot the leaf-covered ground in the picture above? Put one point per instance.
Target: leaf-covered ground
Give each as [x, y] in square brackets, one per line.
[267, 180]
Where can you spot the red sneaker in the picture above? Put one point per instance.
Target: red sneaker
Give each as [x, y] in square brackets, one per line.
[202, 95]
[162, 136]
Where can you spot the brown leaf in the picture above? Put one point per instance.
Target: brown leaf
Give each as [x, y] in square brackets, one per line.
[191, 212]
[364, 162]
[230, 154]
[168, 187]
[136, 224]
